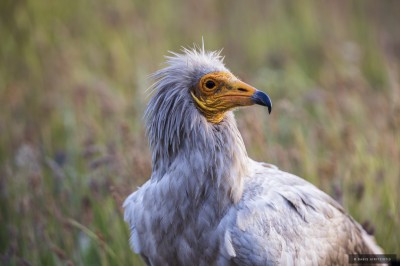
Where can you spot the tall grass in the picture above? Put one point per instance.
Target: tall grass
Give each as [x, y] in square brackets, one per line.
[73, 76]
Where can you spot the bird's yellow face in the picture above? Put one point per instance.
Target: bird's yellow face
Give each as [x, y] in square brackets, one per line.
[218, 92]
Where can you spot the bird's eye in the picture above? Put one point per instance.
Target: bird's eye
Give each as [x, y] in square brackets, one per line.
[210, 84]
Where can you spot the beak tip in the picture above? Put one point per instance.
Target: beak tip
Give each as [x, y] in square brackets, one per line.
[263, 99]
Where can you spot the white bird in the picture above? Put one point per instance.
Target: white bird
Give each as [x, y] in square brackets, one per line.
[207, 202]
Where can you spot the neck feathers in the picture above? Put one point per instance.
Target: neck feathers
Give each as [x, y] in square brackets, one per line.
[185, 145]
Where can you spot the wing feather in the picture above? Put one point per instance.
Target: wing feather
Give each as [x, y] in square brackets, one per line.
[283, 219]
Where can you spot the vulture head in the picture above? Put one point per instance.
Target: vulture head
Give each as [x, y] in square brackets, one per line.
[200, 78]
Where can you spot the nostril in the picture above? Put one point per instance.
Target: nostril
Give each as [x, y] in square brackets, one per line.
[242, 90]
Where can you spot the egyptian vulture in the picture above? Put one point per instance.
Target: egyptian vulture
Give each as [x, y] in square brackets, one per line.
[207, 202]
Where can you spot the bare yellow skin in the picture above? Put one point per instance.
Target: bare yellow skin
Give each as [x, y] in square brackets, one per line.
[218, 92]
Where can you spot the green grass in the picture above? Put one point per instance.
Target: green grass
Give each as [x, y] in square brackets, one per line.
[73, 76]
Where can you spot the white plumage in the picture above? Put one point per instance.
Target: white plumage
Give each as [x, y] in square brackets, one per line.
[207, 202]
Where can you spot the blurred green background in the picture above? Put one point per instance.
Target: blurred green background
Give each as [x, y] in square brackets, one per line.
[73, 76]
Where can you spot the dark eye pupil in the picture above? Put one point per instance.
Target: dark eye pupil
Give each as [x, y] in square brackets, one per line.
[210, 84]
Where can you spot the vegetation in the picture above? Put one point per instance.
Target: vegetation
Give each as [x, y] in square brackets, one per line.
[73, 79]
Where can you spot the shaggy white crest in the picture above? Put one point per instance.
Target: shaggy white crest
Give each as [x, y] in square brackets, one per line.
[207, 203]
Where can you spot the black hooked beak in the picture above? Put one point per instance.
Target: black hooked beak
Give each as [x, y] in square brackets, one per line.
[263, 99]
